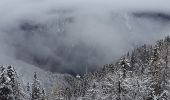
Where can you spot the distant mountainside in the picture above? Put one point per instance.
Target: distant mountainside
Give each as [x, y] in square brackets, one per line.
[142, 74]
[68, 41]
[52, 45]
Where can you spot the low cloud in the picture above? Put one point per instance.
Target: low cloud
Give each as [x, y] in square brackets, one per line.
[70, 36]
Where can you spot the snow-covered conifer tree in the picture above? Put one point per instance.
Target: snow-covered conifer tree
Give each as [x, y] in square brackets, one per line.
[36, 89]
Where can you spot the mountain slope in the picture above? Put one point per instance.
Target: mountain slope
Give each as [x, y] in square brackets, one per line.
[142, 74]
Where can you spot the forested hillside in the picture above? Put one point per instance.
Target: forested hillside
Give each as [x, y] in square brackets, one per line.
[142, 74]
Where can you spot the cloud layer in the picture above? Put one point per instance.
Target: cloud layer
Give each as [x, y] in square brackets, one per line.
[73, 35]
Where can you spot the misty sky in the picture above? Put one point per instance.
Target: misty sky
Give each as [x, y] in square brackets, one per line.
[72, 35]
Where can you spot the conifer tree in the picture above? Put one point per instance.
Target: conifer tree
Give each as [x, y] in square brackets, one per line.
[36, 89]
[15, 84]
[10, 88]
[6, 92]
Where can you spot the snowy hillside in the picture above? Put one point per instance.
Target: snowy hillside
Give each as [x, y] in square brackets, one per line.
[142, 74]
[49, 42]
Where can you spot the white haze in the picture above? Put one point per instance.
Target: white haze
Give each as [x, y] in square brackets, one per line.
[106, 28]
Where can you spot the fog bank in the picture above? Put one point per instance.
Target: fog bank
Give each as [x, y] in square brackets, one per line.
[70, 36]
